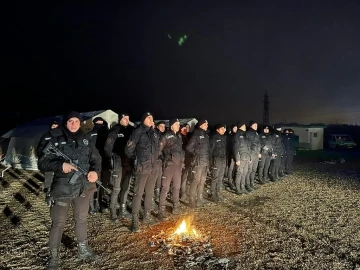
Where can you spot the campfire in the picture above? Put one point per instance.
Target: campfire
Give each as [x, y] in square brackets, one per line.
[186, 244]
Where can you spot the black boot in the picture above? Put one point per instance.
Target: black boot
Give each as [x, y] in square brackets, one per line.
[53, 263]
[176, 209]
[200, 201]
[147, 218]
[124, 212]
[162, 213]
[135, 224]
[113, 215]
[85, 252]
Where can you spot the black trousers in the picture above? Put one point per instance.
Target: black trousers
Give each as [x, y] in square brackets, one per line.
[160, 174]
[58, 214]
[242, 173]
[171, 174]
[184, 179]
[125, 181]
[264, 165]
[115, 181]
[145, 180]
[231, 168]
[197, 185]
[253, 168]
[289, 163]
[275, 166]
[218, 177]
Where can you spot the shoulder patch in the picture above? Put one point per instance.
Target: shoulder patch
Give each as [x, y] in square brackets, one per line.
[129, 143]
[108, 140]
[86, 142]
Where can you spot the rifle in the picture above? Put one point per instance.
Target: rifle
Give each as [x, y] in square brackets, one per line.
[51, 149]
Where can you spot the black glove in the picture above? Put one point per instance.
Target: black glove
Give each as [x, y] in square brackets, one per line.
[49, 199]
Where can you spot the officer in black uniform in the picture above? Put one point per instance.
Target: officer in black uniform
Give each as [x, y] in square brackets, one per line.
[242, 156]
[218, 150]
[143, 146]
[267, 153]
[173, 156]
[121, 165]
[161, 130]
[199, 149]
[185, 135]
[98, 136]
[63, 193]
[255, 148]
[230, 155]
[278, 153]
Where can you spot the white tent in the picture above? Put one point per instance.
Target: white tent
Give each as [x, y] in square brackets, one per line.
[21, 142]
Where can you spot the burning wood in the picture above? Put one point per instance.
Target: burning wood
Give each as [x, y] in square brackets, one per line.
[188, 247]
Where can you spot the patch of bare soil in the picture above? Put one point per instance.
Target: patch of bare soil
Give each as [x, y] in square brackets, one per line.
[308, 220]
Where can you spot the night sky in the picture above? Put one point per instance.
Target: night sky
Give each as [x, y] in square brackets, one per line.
[119, 56]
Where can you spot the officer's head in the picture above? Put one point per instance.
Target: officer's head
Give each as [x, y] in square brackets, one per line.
[124, 119]
[253, 125]
[221, 129]
[54, 124]
[174, 125]
[148, 119]
[266, 129]
[72, 121]
[161, 126]
[203, 124]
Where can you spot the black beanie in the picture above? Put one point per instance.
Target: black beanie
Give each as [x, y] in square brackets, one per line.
[145, 115]
[241, 123]
[71, 115]
[122, 115]
[173, 121]
[201, 122]
[251, 123]
[276, 126]
[266, 127]
[220, 126]
[97, 119]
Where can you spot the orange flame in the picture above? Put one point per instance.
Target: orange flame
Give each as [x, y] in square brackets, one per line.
[186, 229]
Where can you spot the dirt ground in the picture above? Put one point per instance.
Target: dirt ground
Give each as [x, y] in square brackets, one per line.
[309, 220]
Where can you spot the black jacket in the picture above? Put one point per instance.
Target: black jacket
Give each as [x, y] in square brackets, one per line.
[277, 143]
[289, 143]
[218, 146]
[99, 134]
[199, 148]
[80, 149]
[116, 141]
[241, 147]
[143, 145]
[255, 145]
[266, 144]
[171, 148]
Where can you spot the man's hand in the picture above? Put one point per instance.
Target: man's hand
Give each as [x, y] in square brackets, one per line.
[92, 176]
[259, 155]
[238, 163]
[67, 167]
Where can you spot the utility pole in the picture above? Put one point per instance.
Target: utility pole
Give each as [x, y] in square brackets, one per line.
[266, 117]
